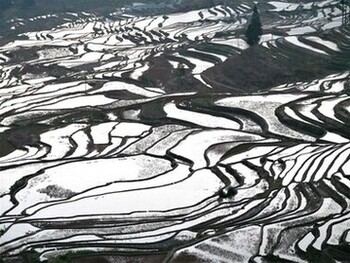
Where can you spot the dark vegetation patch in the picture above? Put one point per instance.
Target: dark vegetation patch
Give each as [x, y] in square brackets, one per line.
[160, 71]
[5, 146]
[162, 74]
[249, 71]
[19, 137]
[258, 68]
[153, 110]
[55, 191]
[61, 118]
[23, 54]
[122, 94]
[40, 70]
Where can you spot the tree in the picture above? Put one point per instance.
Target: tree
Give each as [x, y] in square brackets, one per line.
[254, 30]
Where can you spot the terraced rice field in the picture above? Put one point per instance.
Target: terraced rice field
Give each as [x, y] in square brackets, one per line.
[107, 151]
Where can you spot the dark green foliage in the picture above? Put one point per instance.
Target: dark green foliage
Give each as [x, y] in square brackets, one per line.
[254, 30]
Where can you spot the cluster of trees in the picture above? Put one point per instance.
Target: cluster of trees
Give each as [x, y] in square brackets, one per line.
[254, 30]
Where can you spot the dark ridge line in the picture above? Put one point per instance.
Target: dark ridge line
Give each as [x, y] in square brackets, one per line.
[134, 212]
[278, 213]
[314, 156]
[173, 217]
[165, 137]
[56, 202]
[286, 156]
[341, 187]
[341, 113]
[129, 190]
[244, 218]
[320, 160]
[282, 160]
[201, 56]
[297, 125]
[74, 161]
[39, 244]
[250, 145]
[234, 143]
[105, 224]
[335, 159]
[312, 159]
[171, 253]
[326, 192]
[330, 124]
[18, 186]
[293, 214]
[196, 107]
